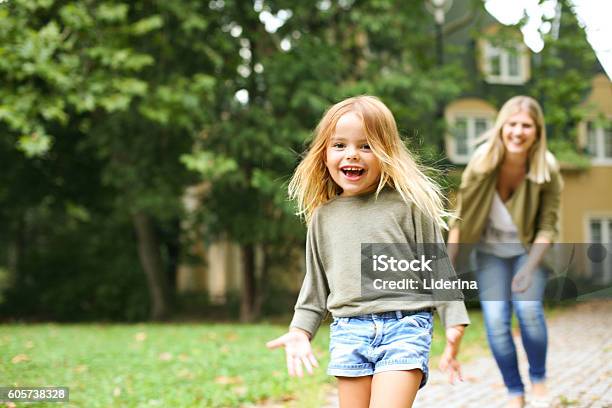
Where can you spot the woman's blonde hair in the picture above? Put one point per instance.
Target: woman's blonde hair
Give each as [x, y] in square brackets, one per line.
[491, 153]
[312, 185]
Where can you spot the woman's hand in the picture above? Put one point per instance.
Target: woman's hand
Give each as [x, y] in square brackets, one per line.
[522, 280]
[448, 361]
[297, 350]
[524, 277]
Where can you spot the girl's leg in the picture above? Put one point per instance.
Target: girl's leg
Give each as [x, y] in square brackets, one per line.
[395, 389]
[354, 391]
[494, 279]
[530, 313]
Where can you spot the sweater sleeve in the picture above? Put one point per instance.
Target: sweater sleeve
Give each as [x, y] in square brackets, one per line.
[449, 305]
[310, 308]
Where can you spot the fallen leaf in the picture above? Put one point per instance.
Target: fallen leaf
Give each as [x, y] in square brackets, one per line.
[242, 390]
[166, 356]
[183, 357]
[224, 380]
[19, 358]
[117, 392]
[185, 373]
[224, 349]
[232, 336]
[142, 336]
[81, 368]
[29, 344]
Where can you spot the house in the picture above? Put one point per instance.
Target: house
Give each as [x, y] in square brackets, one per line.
[503, 66]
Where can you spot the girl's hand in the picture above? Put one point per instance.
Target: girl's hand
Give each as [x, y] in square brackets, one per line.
[448, 361]
[451, 365]
[297, 350]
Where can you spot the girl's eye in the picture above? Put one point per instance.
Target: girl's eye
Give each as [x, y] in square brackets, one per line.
[338, 145]
[366, 147]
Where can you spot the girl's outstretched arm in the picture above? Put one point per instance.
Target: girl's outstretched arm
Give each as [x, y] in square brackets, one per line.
[297, 350]
[448, 361]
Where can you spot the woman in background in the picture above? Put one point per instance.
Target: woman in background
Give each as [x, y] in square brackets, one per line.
[508, 204]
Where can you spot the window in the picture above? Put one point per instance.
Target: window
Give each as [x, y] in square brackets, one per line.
[599, 142]
[506, 65]
[466, 129]
[600, 232]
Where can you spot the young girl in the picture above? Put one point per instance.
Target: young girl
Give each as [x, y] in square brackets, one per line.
[359, 184]
[508, 205]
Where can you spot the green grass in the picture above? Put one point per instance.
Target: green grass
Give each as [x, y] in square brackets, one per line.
[153, 365]
[217, 365]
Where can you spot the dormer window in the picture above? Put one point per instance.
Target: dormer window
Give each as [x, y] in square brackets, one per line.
[505, 65]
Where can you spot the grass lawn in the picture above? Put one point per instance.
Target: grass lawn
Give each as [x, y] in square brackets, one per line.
[182, 365]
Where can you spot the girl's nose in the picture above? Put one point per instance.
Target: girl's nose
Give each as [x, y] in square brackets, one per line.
[351, 153]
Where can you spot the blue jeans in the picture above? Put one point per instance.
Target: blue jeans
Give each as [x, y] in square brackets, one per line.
[494, 277]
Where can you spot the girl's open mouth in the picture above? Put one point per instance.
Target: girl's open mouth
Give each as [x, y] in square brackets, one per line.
[352, 171]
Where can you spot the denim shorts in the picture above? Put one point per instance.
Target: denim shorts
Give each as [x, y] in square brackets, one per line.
[369, 344]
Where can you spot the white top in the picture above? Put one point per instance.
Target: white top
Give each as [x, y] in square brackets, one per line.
[500, 236]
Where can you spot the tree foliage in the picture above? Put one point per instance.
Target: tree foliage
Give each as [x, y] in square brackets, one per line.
[110, 109]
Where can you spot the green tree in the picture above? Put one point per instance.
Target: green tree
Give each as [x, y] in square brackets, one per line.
[322, 53]
[110, 70]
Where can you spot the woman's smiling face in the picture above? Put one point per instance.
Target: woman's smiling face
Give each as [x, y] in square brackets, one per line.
[349, 159]
[519, 133]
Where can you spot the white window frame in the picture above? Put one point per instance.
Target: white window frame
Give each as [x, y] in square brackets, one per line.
[504, 53]
[599, 158]
[471, 118]
[606, 239]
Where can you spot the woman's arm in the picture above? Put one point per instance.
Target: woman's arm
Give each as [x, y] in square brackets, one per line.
[522, 280]
[452, 247]
[546, 232]
[550, 202]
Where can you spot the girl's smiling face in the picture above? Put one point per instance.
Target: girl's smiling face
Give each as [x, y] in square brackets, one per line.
[349, 159]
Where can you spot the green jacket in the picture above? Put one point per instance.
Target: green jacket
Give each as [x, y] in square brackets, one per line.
[534, 207]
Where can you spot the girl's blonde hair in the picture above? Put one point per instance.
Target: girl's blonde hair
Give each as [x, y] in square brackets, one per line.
[312, 185]
[491, 153]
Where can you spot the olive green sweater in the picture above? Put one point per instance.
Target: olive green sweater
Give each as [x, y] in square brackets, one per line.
[333, 259]
[534, 207]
